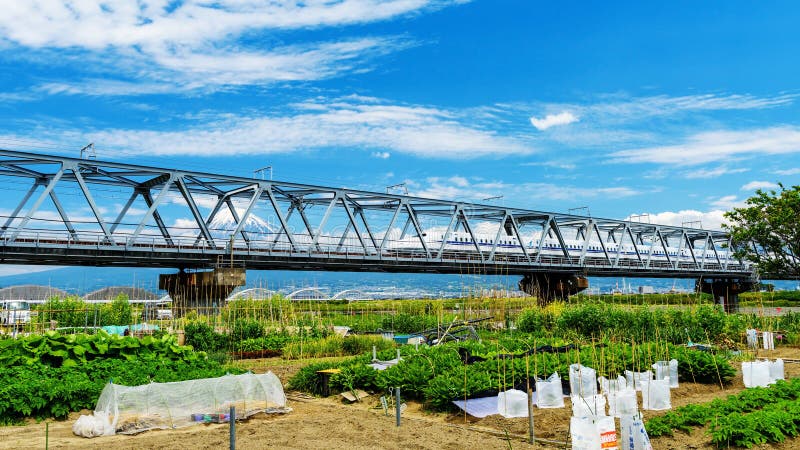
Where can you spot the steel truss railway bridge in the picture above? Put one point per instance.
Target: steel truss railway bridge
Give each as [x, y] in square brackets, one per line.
[69, 211]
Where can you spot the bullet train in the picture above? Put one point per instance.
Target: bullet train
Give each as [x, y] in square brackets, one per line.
[462, 241]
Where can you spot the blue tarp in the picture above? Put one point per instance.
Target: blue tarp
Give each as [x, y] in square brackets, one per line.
[120, 329]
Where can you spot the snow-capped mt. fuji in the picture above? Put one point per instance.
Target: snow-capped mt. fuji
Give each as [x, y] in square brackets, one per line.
[223, 224]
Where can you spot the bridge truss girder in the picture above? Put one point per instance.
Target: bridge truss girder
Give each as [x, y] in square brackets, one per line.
[274, 224]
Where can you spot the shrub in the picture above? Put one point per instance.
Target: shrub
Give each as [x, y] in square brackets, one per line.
[201, 336]
[247, 329]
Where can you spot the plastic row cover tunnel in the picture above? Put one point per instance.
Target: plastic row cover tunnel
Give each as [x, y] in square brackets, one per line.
[172, 405]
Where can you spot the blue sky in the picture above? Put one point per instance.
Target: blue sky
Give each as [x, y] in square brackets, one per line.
[677, 109]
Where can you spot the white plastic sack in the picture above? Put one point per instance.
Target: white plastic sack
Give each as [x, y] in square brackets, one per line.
[673, 373]
[752, 338]
[549, 393]
[584, 434]
[608, 386]
[656, 395]
[625, 403]
[667, 369]
[598, 433]
[756, 374]
[94, 425]
[776, 370]
[607, 428]
[582, 380]
[633, 434]
[769, 340]
[512, 403]
[588, 406]
[635, 378]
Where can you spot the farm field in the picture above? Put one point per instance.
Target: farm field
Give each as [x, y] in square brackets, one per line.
[330, 423]
[50, 376]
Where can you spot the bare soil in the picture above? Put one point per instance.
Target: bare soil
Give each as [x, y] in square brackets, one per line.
[332, 424]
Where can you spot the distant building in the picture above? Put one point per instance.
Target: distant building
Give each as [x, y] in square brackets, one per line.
[646, 290]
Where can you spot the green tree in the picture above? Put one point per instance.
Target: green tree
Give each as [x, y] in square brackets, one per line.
[771, 221]
[118, 312]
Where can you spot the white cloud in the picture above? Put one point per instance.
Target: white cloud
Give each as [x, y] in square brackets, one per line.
[754, 185]
[792, 171]
[160, 44]
[712, 173]
[709, 220]
[714, 146]
[381, 155]
[727, 202]
[459, 181]
[552, 120]
[461, 189]
[338, 123]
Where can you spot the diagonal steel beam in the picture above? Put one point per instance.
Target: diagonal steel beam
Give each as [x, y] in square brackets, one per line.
[546, 233]
[35, 207]
[123, 211]
[325, 218]
[63, 214]
[496, 241]
[288, 217]
[92, 205]
[468, 227]
[210, 218]
[259, 190]
[162, 227]
[15, 213]
[446, 235]
[413, 218]
[282, 220]
[198, 218]
[301, 207]
[561, 241]
[625, 230]
[235, 215]
[152, 213]
[520, 241]
[389, 228]
[366, 227]
[352, 220]
[602, 244]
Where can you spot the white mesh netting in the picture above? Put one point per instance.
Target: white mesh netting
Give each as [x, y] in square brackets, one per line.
[135, 409]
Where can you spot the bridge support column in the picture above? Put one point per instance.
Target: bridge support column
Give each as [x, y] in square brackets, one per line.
[202, 291]
[725, 291]
[547, 287]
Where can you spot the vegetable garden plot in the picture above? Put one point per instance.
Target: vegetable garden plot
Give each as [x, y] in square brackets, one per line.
[131, 410]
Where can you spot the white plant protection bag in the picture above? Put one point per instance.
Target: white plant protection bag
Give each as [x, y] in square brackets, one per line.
[667, 369]
[635, 378]
[597, 433]
[549, 393]
[633, 434]
[582, 380]
[588, 406]
[776, 370]
[624, 403]
[769, 340]
[611, 386]
[756, 374]
[512, 403]
[656, 395]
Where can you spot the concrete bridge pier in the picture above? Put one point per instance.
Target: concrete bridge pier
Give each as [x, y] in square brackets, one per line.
[201, 291]
[725, 291]
[547, 287]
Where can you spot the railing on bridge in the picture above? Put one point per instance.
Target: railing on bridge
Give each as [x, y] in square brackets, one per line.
[73, 209]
